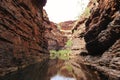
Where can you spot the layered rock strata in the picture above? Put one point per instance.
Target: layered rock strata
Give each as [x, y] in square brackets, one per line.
[103, 38]
[22, 32]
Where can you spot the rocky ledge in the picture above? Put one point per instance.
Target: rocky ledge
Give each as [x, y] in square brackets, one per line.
[103, 38]
[101, 33]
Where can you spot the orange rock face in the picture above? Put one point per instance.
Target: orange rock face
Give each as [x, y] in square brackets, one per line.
[67, 25]
[21, 32]
[56, 40]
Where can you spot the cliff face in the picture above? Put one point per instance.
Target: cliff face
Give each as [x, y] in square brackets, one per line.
[22, 32]
[103, 38]
[101, 32]
[67, 25]
[56, 40]
[78, 29]
[102, 27]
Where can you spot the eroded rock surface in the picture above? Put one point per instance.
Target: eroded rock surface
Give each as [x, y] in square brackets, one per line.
[101, 32]
[103, 38]
[22, 33]
[67, 25]
[56, 39]
[102, 27]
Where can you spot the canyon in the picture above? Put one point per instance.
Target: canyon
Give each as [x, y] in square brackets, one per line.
[27, 36]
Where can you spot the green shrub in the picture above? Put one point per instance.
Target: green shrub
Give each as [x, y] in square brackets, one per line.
[87, 12]
[53, 54]
[95, 1]
[69, 43]
[64, 54]
[61, 54]
[69, 68]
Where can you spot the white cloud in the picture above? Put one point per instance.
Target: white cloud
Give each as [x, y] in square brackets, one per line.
[63, 10]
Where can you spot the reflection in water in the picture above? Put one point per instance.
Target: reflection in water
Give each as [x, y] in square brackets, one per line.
[33, 72]
[50, 70]
[60, 77]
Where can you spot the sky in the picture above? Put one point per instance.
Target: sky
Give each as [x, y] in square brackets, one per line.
[64, 10]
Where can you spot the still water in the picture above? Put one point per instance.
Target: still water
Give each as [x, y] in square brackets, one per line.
[52, 70]
[60, 77]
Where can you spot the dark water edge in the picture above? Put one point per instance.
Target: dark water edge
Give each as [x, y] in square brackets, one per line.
[48, 70]
[32, 72]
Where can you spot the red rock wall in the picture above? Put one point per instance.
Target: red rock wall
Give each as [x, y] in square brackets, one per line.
[67, 25]
[102, 27]
[103, 39]
[21, 32]
[56, 40]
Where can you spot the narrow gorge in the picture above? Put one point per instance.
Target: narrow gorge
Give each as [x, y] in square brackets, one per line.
[34, 48]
